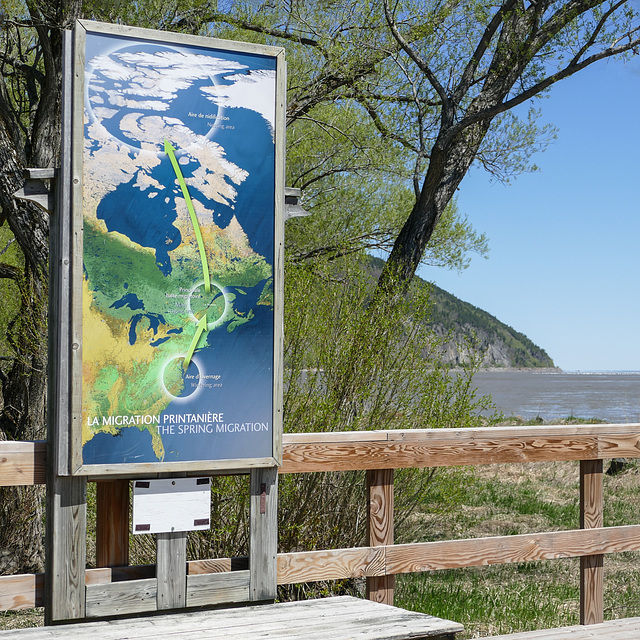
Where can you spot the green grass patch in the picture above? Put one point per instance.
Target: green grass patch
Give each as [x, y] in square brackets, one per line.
[494, 600]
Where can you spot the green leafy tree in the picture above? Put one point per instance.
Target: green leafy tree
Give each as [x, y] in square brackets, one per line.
[439, 80]
[435, 82]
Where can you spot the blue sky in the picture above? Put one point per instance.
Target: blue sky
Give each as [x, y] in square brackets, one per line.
[564, 242]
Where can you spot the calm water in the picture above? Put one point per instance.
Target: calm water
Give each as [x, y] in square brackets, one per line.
[611, 396]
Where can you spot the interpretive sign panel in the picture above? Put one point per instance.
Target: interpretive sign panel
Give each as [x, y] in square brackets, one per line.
[179, 185]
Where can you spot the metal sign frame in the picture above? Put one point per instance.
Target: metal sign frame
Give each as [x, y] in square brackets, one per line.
[101, 324]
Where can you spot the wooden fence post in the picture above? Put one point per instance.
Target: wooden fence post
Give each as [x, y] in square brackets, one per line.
[263, 534]
[591, 567]
[380, 528]
[112, 523]
[171, 570]
[66, 548]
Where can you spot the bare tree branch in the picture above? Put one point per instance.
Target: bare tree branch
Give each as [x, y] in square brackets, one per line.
[251, 26]
[467, 77]
[422, 65]
[10, 272]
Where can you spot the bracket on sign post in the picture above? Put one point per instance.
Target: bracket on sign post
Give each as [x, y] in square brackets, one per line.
[36, 191]
[263, 498]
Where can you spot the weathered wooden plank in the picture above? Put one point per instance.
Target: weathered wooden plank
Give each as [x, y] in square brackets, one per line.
[27, 591]
[112, 523]
[40, 173]
[454, 554]
[380, 528]
[119, 598]
[217, 588]
[370, 561]
[625, 629]
[591, 567]
[309, 566]
[340, 456]
[278, 257]
[122, 30]
[611, 441]
[171, 569]
[217, 565]
[263, 533]
[60, 264]
[611, 445]
[548, 430]
[24, 591]
[336, 618]
[241, 465]
[106, 575]
[65, 548]
[36, 191]
[22, 463]
[70, 451]
[335, 436]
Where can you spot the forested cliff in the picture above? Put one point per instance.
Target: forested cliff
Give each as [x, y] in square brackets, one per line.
[468, 330]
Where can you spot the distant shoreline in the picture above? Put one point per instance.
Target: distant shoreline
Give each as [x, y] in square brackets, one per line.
[528, 369]
[604, 372]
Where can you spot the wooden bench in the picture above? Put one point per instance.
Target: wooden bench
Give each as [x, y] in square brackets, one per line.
[625, 629]
[340, 618]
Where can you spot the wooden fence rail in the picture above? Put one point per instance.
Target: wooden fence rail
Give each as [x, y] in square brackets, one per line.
[379, 453]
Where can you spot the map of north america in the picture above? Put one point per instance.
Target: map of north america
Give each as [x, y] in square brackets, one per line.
[178, 191]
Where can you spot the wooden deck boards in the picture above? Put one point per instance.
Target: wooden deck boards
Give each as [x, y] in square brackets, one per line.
[625, 629]
[340, 618]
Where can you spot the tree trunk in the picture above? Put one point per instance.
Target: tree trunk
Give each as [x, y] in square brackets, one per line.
[447, 167]
[23, 387]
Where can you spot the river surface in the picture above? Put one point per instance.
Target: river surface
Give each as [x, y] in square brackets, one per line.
[613, 396]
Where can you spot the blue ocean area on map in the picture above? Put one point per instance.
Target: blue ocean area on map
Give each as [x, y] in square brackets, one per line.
[125, 210]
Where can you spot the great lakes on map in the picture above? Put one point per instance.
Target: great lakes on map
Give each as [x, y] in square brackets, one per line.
[178, 253]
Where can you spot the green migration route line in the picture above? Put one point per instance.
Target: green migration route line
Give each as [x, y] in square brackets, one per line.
[171, 152]
[201, 327]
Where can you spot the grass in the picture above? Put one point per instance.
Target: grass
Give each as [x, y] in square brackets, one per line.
[21, 619]
[515, 499]
[498, 599]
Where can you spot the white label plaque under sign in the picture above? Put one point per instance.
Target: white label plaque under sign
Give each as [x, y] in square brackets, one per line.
[173, 504]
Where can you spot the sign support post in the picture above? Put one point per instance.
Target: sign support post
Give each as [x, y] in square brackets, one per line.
[165, 303]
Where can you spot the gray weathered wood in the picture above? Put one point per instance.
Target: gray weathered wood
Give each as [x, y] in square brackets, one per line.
[198, 467]
[40, 173]
[339, 618]
[118, 598]
[171, 563]
[36, 191]
[179, 38]
[76, 249]
[65, 548]
[263, 533]
[214, 588]
[58, 409]
[625, 629]
[278, 257]
[66, 496]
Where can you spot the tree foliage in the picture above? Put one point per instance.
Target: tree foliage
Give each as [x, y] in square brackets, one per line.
[389, 104]
[439, 81]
